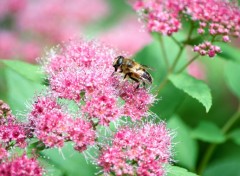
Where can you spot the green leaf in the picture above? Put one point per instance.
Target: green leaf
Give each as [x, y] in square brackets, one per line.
[69, 161]
[227, 167]
[193, 87]
[229, 52]
[20, 90]
[232, 77]
[170, 97]
[168, 100]
[208, 132]
[29, 71]
[235, 136]
[178, 171]
[185, 148]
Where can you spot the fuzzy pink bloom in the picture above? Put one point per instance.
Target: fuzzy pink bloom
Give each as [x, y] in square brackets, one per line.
[48, 122]
[9, 45]
[104, 107]
[57, 20]
[207, 48]
[82, 134]
[53, 126]
[161, 16]
[137, 151]
[130, 38]
[220, 17]
[83, 71]
[3, 153]
[11, 131]
[21, 166]
[136, 101]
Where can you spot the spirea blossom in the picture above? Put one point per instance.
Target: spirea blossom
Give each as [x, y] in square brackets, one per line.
[53, 126]
[137, 151]
[48, 122]
[82, 134]
[219, 17]
[83, 71]
[207, 48]
[21, 166]
[11, 131]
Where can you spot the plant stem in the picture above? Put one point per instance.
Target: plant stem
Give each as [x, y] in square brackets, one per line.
[163, 83]
[188, 63]
[177, 42]
[164, 51]
[171, 69]
[231, 121]
[176, 60]
[212, 147]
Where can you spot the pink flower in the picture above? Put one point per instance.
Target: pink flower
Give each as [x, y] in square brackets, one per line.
[3, 153]
[137, 102]
[48, 122]
[207, 48]
[102, 106]
[219, 17]
[11, 131]
[11, 7]
[54, 126]
[21, 166]
[9, 45]
[83, 71]
[58, 20]
[82, 134]
[137, 151]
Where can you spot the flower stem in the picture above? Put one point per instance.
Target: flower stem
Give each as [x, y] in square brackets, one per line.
[176, 60]
[164, 51]
[177, 42]
[212, 147]
[187, 64]
[171, 69]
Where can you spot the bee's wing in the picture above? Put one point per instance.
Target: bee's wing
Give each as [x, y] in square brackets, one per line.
[147, 67]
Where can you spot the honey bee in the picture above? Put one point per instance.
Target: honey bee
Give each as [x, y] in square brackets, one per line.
[133, 70]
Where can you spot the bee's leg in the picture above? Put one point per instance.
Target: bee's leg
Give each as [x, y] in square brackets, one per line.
[134, 79]
[144, 84]
[125, 76]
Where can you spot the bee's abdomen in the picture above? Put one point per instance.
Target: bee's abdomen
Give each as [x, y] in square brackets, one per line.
[147, 76]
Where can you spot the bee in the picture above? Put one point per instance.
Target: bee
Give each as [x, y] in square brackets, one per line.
[133, 70]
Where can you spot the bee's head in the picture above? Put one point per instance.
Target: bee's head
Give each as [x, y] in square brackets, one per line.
[118, 62]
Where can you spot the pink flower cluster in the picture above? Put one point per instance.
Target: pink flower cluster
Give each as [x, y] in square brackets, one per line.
[53, 127]
[11, 132]
[21, 166]
[11, 46]
[162, 16]
[57, 20]
[83, 71]
[207, 48]
[11, 7]
[45, 23]
[137, 151]
[220, 17]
